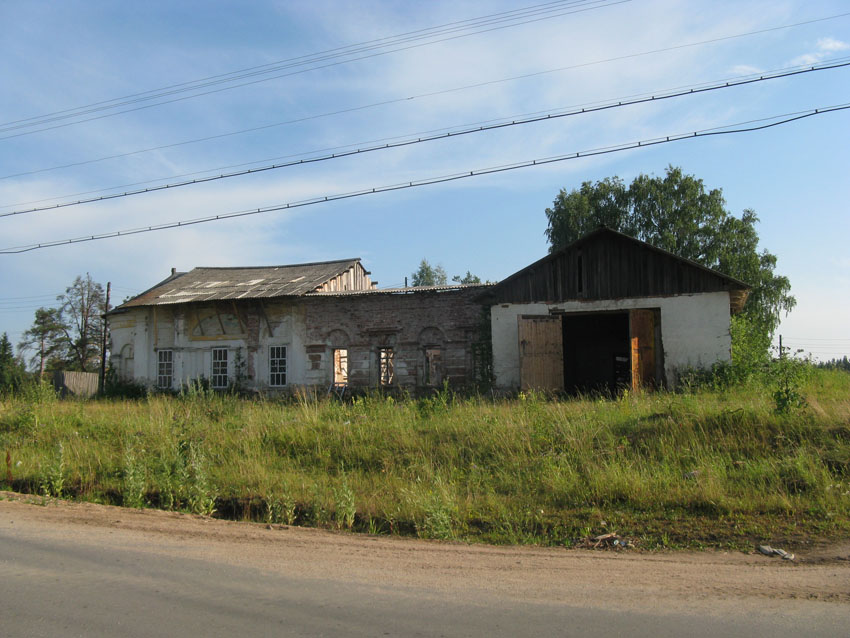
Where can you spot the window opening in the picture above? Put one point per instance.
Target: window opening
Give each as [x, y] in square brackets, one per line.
[219, 368]
[340, 365]
[580, 273]
[387, 357]
[277, 366]
[165, 368]
[433, 366]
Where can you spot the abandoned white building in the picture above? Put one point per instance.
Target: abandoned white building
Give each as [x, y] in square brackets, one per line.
[278, 328]
[606, 312]
[609, 311]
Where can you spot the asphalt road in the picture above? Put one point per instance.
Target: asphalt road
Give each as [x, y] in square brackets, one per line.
[93, 583]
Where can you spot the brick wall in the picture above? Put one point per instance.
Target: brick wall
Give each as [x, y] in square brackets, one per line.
[407, 323]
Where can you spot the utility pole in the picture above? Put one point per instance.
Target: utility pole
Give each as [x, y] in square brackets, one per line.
[102, 379]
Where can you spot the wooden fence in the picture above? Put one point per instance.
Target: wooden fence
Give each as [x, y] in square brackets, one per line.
[78, 384]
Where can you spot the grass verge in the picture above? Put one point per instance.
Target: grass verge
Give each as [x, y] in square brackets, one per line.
[702, 469]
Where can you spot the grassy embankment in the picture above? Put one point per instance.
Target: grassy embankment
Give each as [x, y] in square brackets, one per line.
[709, 468]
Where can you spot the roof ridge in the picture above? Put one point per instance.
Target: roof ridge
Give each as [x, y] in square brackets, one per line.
[309, 263]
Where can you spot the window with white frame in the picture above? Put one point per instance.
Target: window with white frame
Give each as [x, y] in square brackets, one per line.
[277, 366]
[164, 368]
[219, 377]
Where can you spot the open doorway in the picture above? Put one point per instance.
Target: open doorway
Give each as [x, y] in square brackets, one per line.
[596, 352]
[590, 352]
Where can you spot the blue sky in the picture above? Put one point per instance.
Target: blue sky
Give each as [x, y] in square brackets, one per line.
[59, 56]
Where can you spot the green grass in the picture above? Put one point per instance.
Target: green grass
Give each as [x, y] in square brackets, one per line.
[704, 469]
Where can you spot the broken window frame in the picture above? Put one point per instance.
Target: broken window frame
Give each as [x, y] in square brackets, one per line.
[277, 366]
[164, 368]
[386, 366]
[219, 372]
[340, 365]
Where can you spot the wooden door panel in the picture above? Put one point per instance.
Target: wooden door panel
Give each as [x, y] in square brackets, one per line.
[642, 329]
[541, 353]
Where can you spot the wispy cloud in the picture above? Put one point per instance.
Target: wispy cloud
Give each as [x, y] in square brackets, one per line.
[823, 49]
[745, 69]
[831, 45]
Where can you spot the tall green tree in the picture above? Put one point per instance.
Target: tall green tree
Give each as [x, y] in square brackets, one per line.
[428, 275]
[46, 338]
[676, 212]
[11, 373]
[80, 310]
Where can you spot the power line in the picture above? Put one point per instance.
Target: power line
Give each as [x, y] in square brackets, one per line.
[470, 22]
[480, 84]
[816, 338]
[47, 119]
[419, 140]
[826, 64]
[319, 56]
[724, 130]
[7, 299]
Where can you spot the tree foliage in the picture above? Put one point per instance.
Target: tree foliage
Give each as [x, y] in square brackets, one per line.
[68, 336]
[676, 213]
[468, 278]
[81, 308]
[46, 337]
[428, 275]
[11, 373]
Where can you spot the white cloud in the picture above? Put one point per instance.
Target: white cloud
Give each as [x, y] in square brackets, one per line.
[807, 58]
[824, 47]
[831, 45]
[745, 69]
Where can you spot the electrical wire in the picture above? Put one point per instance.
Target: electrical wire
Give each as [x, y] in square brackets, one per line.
[586, 64]
[431, 138]
[338, 50]
[826, 64]
[806, 339]
[85, 110]
[715, 131]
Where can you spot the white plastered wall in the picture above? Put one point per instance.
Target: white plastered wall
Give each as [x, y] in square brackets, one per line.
[192, 358]
[694, 330]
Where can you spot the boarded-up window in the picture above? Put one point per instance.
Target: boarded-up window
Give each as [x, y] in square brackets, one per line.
[387, 366]
[340, 365]
[433, 366]
[541, 353]
[127, 369]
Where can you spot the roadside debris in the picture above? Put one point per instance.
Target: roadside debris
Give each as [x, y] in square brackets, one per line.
[610, 540]
[767, 550]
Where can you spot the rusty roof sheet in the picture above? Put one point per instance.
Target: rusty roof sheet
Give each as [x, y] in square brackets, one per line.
[253, 282]
[397, 291]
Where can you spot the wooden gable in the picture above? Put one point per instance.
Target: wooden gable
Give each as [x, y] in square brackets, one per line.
[609, 265]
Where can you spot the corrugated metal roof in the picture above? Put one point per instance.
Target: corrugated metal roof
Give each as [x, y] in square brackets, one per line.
[253, 282]
[397, 291]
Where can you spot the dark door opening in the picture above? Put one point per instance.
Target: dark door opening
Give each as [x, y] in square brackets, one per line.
[597, 356]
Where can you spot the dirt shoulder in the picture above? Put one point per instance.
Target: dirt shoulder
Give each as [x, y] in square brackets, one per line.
[627, 579]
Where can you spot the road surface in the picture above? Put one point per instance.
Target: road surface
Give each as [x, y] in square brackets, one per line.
[74, 569]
